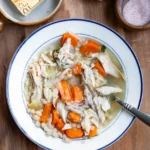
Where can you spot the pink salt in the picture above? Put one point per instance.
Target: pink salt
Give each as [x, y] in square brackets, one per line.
[137, 12]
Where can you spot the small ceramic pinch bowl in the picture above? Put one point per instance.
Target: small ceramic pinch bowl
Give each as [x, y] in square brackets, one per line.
[119, 4]
[40, 14]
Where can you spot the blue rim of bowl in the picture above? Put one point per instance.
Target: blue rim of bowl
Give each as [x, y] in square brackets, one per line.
[73, 19]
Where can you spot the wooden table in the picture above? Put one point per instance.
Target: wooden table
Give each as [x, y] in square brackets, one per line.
[138, 136]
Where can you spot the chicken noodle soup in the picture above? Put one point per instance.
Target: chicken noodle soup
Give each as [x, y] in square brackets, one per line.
[67, 89]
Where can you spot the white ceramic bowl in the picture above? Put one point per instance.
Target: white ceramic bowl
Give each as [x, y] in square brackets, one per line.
[40, 39]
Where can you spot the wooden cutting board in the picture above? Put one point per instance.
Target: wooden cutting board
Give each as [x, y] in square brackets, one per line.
[138, 136]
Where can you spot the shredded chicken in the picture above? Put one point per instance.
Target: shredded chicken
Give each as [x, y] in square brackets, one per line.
[107, 90]
[37, 94]
[99, 80]
[99, 105]
[36, 79]
[29, 87]
[48, 94]
[62, 111]
[85, 61]
[66, 53]
[105, 105]
[55, 96]
[86, 125]
[89, 98]
[43, 68]
[88, 76]
[67, 126]
[35, 73]
[47, 60]
[75, 108]
[93, 117]
[108, 65]
[63, 83]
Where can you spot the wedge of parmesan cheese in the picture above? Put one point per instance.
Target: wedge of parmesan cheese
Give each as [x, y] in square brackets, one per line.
[26, 6]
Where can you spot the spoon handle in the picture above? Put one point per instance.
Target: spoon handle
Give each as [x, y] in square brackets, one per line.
[136, 112]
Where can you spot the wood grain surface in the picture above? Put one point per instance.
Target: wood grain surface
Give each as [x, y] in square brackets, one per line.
[138, 136]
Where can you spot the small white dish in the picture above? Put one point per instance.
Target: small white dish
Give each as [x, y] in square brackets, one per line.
[43, 12]
[50, 33]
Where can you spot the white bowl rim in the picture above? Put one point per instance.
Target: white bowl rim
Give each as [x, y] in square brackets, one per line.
[64, 20]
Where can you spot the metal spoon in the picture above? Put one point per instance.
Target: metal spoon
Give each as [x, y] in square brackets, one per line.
[134, 111]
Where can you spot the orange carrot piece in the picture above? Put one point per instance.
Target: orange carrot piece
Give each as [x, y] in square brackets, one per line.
[74, 133]
[55, 117]
[57, 121]
[90, 47]
[100, 68]
[74, 39]
[76, 70]
[77, 93]
[46, 113]
[60, 125]
[74, 117]
[93, 131]
[65, 91]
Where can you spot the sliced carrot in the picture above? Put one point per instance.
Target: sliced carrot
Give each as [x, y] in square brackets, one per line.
[93, 131]
[55, 117]
[74, 117]
[57, 121]
[46, 113]
[60, 125]
[100, 68]
[74, 133]
[77, 93]
[65, 91]
[90, 47]
[74, 39]
[77, 69]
